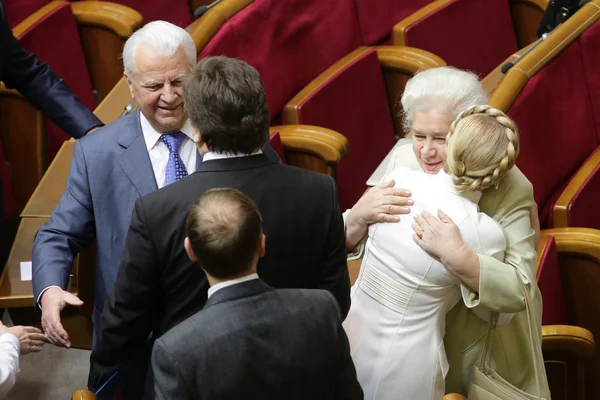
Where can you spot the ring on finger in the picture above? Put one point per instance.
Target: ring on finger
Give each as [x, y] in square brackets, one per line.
[419, 234]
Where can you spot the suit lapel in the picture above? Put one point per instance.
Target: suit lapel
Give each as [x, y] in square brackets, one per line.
[237, 291]
[134, 159]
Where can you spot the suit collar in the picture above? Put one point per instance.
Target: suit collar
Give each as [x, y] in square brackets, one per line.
[134, 159]
[237, 291]
[235, 164]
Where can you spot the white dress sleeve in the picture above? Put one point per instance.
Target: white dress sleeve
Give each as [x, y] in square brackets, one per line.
[9, 362]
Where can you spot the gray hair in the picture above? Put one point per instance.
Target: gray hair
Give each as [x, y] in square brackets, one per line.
[447, 89]
[164, 37]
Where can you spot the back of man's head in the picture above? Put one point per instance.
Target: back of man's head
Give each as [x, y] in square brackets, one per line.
[226, 102]
[225, 233]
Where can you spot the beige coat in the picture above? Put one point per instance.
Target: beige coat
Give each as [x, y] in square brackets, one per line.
[499, 290]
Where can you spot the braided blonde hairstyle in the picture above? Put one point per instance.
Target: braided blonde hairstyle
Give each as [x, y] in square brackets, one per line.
[482, 146]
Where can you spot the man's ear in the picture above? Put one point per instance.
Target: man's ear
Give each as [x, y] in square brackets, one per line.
[202, 148]
[130, 84]
[188, 249]
[262, 245]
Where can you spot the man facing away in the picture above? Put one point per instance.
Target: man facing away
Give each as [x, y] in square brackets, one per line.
[250, 341]
[157, 285]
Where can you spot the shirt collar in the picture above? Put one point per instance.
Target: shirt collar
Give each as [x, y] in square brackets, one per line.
[213, 155]
[151, 136]
[230, 282]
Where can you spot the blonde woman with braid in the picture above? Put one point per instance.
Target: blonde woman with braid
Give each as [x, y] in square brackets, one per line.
[431, 101]
[402, 295]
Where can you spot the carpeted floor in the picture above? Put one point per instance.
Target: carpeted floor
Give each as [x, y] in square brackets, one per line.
[52, 374]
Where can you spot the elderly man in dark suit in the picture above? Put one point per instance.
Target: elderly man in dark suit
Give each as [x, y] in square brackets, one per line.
[250, 341]
[157, 286]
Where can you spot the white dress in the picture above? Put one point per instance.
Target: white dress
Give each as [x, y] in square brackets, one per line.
[396, 322]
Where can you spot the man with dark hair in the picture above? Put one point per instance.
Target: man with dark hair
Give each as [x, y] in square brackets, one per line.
[269, 343]
[157, 285]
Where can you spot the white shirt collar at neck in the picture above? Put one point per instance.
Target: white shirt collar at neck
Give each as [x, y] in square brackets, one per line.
[213, 155]
[230, 282]
[151, 136]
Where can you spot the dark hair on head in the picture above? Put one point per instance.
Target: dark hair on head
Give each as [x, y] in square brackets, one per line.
[224, 228]
[226, 101]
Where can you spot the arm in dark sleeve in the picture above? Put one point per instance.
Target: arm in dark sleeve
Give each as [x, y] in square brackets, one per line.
[346, 386]
[34, 80]
[127, 317]
[168, 382]
[70, 230]
[333, 274]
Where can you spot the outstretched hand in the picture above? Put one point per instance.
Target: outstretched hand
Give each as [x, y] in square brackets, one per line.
[30, 338]
[54, 300]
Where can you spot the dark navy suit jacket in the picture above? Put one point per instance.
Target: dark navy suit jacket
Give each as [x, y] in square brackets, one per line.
[23, 71]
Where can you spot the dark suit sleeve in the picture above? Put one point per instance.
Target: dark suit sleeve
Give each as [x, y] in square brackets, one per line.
[168, 382]
[71, 229]
[34, 80]
[126, 321]
[333, 274]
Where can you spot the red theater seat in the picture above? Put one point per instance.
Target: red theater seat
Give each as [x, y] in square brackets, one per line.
[289, 42]
[468, 34]
[553, 97]
[18, 10]
[351, 97]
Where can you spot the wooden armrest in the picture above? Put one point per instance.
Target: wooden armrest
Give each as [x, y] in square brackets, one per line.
[576, 187]
[454, 396]
[103, 29]
[34, 18]
[573, 339]
[83, 395]
[312, 147]
[204, 28]
[582, 241]
[399, 29]
[117, 18]
[407, 59]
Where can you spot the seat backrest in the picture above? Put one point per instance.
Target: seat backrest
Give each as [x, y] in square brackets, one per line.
[174, 11]
[548, 94]
[378, 17]
[18, 10]
[550, 283]
[352, 102]
[468, 34]
[277, 145]
[9, 206]
[590, 53]
[55, 40]
[289, 42]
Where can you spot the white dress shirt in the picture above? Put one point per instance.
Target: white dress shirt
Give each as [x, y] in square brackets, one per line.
[231, 282]
[213, 155]
[159, 152]
[9, 362]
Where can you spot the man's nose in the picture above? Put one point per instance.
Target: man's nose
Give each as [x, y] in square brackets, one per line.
[169, 94]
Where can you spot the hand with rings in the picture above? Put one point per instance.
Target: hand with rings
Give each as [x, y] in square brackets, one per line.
[439, 237]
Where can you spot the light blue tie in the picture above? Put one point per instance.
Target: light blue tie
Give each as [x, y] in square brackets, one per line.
[175, 166]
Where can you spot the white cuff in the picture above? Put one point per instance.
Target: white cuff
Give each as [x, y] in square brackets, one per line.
[40, 296]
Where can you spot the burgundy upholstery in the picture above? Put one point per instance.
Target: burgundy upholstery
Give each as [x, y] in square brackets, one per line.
[556, 126]
[354, 103]
[590, 46]
[469, 34]
[55, 40]
[378, 17]
[10, 207]
[174, 11]
[277, 145]
[18, 10]
[550, 283]
[289, 42]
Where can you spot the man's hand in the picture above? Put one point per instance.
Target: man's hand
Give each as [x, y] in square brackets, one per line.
[382, 203]
[53, 301]
[30, 338]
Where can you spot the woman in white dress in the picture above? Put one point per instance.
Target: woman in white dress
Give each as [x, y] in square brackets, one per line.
[396, 323]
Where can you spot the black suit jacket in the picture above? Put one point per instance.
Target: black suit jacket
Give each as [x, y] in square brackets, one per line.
[254, 342]
[33, 79]
[157, 286]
